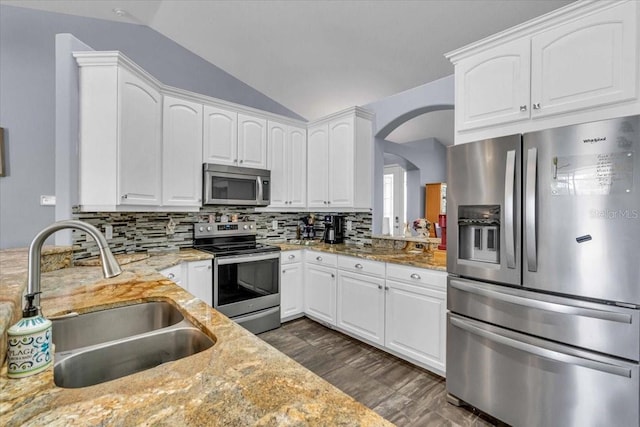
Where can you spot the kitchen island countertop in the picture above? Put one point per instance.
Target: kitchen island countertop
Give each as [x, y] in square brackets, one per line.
[240, 381]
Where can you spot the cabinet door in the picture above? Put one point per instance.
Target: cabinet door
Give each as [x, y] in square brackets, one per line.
[341, 162]
[297, 179]
[320, 293]
[278, 161]
[317, 166]
[175, 273]
[181, 153]
[220, 143]
[492, 87]
[585, 63]
[291, 291]
[252, 142]
[139, 141]
[360, 305]
[415, 323]
[200, 280]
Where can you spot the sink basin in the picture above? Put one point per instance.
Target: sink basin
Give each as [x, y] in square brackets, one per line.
[104, 345]
[125, 357]
[112, 324]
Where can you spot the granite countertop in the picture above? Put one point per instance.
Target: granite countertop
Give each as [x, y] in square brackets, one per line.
[239, 381]
[415, 258]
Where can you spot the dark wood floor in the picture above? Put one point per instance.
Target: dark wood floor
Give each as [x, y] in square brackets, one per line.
[399, 391]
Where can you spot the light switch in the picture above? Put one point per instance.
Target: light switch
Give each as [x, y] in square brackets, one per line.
[349, 225]
[274, 224]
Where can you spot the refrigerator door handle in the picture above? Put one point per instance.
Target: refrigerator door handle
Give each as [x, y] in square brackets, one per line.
[509, 184]
[543, 305]
[531, 348]
[530, 211]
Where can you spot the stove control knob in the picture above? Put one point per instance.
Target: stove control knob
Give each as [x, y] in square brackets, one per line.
[209, 228]
[251, 227]
[201, 229]
[245, 227]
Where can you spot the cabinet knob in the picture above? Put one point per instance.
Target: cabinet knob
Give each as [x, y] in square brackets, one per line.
[536, 106]
[318, 258]
[386, 288]
[415, 276]
[329, 202]
[359, 266]
[284, 271]
[380, 287]
[292, 256]
[333, 275]
[235, 160]
[241, 161]
[171, 276]
[209, 267]
[523, 108]
[124, 196]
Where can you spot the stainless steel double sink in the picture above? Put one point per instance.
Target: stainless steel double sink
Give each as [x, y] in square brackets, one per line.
[104, 345]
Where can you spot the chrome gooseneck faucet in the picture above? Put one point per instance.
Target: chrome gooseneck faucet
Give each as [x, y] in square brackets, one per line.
[110, 266]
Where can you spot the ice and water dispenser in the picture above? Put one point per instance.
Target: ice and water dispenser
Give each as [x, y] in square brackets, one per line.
[479, 233]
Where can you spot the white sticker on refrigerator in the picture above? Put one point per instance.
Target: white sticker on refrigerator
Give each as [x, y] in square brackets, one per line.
[593, 174]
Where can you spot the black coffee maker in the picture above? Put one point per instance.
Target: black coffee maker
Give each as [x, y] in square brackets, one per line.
[333, 229]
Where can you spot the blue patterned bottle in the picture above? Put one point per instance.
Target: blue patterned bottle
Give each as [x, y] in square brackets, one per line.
[29, 349]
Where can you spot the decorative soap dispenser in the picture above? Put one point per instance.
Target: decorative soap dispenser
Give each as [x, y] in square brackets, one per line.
[29, 350]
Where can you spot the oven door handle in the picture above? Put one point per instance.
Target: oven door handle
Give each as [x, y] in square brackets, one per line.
[225, 260]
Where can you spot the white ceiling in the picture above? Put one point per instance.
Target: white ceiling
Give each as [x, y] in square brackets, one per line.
[318, 57]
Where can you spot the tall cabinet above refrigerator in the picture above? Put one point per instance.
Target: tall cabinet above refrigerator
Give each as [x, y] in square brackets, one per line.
[544, 275]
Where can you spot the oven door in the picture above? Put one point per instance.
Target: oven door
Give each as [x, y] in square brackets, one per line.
[246, 283]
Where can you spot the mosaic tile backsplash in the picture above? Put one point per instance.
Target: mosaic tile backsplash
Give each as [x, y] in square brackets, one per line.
[148, 231]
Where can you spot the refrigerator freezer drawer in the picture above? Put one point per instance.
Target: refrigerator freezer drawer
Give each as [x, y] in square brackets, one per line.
[526, 381]
[598, 327]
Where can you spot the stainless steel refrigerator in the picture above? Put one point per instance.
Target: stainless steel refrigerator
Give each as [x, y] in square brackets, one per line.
[544, 275]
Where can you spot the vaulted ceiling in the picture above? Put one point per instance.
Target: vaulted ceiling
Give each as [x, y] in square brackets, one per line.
[318, 57]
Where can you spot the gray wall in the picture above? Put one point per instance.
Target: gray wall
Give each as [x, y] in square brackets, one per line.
[392, 112]
[28, 100]
[429, 157]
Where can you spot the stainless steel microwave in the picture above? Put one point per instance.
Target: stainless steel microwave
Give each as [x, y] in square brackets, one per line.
[233, 185]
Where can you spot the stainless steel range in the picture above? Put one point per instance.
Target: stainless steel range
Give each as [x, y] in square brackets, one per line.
[246, 279]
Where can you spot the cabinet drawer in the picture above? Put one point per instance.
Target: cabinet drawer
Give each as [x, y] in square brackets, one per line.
[418, 276]
[289, 257]
[362, 266]
[321, 258]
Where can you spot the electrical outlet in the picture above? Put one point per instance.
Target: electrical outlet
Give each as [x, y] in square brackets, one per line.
[108, 231]
[171, 227]
[274, 224]
[47, 200]
[349, 225]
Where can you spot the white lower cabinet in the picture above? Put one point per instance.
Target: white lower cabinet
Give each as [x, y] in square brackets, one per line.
[360, 305]
[320, 286]
[195, 277]
[200, 280]
[291, 286]
[415, 315]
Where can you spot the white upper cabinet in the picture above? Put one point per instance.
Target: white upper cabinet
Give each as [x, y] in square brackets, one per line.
[496, 86]
[318, 165]
[181, 153]
[234, 139]
[220, 136]
[577, 64]
[139, 140]
[120, 147]
[252, 142]
[287, 148]
[340, 157]
[586, 62]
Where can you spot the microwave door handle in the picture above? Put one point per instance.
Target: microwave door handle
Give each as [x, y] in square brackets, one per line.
[530, 210]
[260, 190]
[509, 186]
